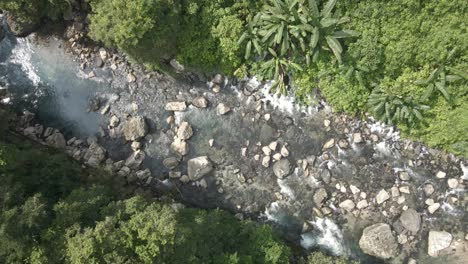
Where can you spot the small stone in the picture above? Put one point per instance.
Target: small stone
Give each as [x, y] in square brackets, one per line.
[241, 178]
[136, 145]
[428, 189]
[405, 208]
[320, 196]
[135, 128]
[404, 176]
[176, 106]
[184, 131]
[433, 208]
[175, 174]
[374, 138]
[378, 240]
[200, 102]
[354, 189]
[357, 138]
[395, 192]
[326, 123]
[143, 174]
[105, 109]
[282, 168]
[277, 156]
[452, 183]
[441, 175]
[347, 205]
[266, 161]
[343, 189]
[362, 204]
[267, 117]
[184, 179]
[171, 162]
[429, 201]
[405, 189]
[412, 261]
[329, 144]
[438, 240]
[273, 145]
[218, 79]
[284, 152]
[198, 167]
[382, 196]
[222, 109]
[216, 88]
[266, 150]
[343, 143]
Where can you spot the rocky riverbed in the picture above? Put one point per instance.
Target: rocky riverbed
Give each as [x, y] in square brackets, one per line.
[352, 187]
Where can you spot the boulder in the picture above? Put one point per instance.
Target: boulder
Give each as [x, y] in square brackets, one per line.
[347, 205]
[222, 109]
[95, 155]
[320, 196]
[135, 160]
[438, 240]
[171, 162]
[377, 240]
[176, 106]
[180, 146]
[282, 168]
[135, 128]
[185, 131]
[382, 196]
[411, 220]
[198, 167]
[56, 140]
[200, 102]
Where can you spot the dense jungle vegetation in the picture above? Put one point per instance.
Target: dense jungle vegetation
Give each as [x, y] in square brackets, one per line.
[404, 61]
[51, 211]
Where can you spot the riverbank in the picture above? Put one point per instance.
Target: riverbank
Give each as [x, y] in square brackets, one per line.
[266, 157]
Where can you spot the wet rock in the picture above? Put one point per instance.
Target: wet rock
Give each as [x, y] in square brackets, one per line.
[136, 145]
[176, 106]
[282, 168]
[452, 183]
[320, 196]
[404, 176]
[124, 172]
[56, 140]
[441, 175]
[131, 78]
[377, 240]
[329, 144]
[357, 138]
[405, 189]
[170, 120]
[30, 132]
[143, 174]
[222, 109]
[438, 240]
[95, 155]
[277, 156]
[347, 205]
[200, 102]
[203, 184]
[411, 220]
[176, 65]
[185, 131]
[2, 33]
[114, 121]
[103, 54]
[354, 189]
[428, 189]
[175, 174]
[94, 104]
[326, 123]
[135, 160]
[198, 167]
[180, 146]
[171, 162]
[382, 196]
[211, 142]
[135, 128]
[216, 88]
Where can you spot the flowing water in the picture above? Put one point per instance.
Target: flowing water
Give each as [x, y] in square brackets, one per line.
[42, 78]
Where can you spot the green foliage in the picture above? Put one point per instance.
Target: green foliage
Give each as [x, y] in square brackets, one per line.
[320, 258]
[30, 12]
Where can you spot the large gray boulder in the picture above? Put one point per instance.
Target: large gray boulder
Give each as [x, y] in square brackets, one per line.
[135, 160]
[377, 240]
[198, 167]
[56, 140]
[135, 128]
[411, 220]
[282, 168]
[95, 155]
[438, 240]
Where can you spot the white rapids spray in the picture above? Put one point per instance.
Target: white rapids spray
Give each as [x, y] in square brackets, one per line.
[326, 235]
[21, 55]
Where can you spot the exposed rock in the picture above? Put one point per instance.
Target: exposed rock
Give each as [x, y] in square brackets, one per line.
[143, 174]
[95, 155]
[114, 121]
[135, 128]
[452, 183]
[411, 220]
[325, 175]
[180, 146]
[124, 172]
[362, 204]
[320, 196]
[176, 65]
[56, 140]
[347, 205]
[135, 145]
[404, 176]
[441, 175]
[438, 240]
[103, 54]
[382, 196]
[185, 179]
[171, 162]
[405, 189]
[200, 102]
[266, 161]
[185, 131]
[266, 150]
[216, 88]
[131, 78]
[135, 160]
[343, 143]
[395, 192]
[433, 208]
[377, 240]
[211, 142]
[176, 106]
[198, 167]
[222, 109]
[428, 189]
[218, 79]
[326, 123]
[329, 144]
[357, 138]
[354, 189]
[273, 145]
[284, 152]
[175, 174]
[282, 168]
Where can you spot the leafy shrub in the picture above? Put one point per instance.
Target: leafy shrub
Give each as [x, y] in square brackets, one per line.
[30, 12]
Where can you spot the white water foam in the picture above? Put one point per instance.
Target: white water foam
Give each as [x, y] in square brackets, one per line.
[285, 189]
[464, 170]
[326, 235]
[22, 54]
